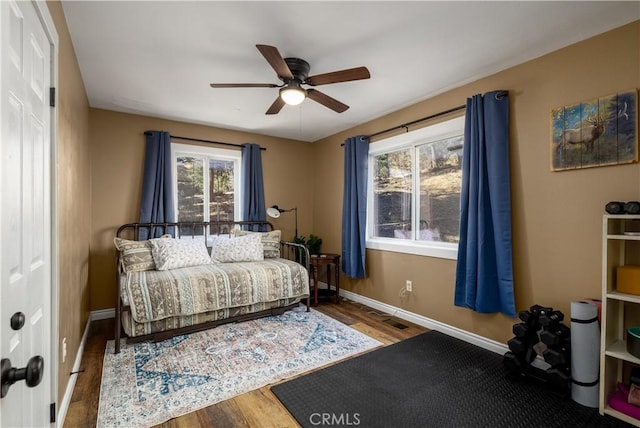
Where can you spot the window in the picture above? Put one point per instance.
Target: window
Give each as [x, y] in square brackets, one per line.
[414, 191]
[206, 183]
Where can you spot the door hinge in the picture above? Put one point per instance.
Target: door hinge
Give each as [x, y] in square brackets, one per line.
[52, 97]
[52, 411]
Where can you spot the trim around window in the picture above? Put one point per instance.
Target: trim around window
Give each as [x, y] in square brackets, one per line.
[441, 250]
[213, 153]
[445, 250]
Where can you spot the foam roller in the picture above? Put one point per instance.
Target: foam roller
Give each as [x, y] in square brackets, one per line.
[585, 353]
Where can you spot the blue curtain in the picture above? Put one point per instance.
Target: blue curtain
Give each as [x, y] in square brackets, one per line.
[157, 187]
[484, 273]
[354, 206]
[253, 206]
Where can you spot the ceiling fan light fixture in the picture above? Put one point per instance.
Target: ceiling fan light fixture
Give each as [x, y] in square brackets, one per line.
[294, 72]
[293, 95]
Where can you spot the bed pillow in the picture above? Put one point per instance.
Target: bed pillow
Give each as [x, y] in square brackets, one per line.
[135, 255]
[240, 249]
[178, 253]
[270, 241]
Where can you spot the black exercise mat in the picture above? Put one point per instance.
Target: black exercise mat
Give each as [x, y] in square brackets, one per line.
[431, 380]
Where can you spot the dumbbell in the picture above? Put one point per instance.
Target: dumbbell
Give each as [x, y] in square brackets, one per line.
[517, 346]
[557, 357]
[563, 330]
[549, 338]
[512, 362]
[556, 335]
[536, 312]
[531, 316]
[527, 317]
[521, 330]
[522, 348]
[551, 317]
[539, 310]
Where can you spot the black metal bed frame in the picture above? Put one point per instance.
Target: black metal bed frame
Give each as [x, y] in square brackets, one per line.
[288, 250]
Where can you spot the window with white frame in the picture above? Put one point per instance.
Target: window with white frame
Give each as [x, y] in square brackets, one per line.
[206, 183]
[414, 191]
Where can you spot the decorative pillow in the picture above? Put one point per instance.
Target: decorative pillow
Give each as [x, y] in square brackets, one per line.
[135, 255]
[270, 241]
[241, 249]
[178, 253]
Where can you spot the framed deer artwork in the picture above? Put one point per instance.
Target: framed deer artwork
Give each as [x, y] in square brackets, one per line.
[597, 132]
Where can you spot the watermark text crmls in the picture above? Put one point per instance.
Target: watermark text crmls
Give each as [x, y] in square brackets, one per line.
[329, 419]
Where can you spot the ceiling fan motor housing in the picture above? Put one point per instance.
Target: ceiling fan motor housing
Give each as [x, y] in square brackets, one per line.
[299, 68]
[294, 72]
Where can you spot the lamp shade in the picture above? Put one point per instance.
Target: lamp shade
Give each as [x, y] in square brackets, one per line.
[273, 212]
[292, 95]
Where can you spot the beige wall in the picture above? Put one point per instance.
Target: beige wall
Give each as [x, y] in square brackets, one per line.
[117, 152]
[73, 198]
[556, 215]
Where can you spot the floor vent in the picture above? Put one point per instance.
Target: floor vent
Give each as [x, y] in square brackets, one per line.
[395, 324]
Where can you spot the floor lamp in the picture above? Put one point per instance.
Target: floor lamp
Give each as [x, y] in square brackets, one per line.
[275, 212]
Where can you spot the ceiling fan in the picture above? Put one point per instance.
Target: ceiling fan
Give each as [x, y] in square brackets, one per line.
[294, 72]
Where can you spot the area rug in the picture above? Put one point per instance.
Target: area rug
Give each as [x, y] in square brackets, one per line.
[430, 380]
[150, 383]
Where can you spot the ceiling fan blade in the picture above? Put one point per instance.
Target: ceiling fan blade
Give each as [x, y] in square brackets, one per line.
[244, 85]
[347, 75]
[276, 106]
[326, 100]
[276, 61]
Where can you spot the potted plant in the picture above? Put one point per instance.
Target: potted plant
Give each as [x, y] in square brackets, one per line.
[313, 244]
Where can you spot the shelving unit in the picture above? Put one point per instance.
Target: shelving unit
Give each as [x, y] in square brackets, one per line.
[618, 249]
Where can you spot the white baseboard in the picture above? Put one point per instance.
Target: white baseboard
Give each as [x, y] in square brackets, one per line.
[429, 323]
[66, 399]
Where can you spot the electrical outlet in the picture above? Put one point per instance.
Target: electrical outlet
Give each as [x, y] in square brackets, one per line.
[409, 286]
[64, 349]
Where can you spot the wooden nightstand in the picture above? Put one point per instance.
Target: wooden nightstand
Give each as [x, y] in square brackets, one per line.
[327, 260]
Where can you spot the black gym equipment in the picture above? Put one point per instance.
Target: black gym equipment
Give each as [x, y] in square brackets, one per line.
[632, 207]
[541, 332]
[614, 207]
[520, 329]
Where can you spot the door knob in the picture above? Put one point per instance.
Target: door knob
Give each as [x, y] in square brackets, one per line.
[31, 374]
[17, 321]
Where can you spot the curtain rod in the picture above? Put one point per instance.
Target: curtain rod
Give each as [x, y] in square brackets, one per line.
[205, 141]
[422, 119]
[406, 126]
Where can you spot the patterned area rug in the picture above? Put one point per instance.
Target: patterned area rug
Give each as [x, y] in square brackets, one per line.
[150, 383]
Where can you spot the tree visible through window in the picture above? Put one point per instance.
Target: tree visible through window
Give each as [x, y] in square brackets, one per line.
[440, 183]
[392, 194]
[206, 184]
[190, 189]
[414, 188]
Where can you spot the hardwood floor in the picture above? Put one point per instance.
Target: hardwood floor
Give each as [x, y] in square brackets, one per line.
[258, 408]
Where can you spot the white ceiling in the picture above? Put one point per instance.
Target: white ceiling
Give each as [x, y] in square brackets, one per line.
[158, 58]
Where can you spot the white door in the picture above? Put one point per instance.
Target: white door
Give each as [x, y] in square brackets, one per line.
[25, 214]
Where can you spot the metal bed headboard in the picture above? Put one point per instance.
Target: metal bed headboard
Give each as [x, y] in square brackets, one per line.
[191, 229]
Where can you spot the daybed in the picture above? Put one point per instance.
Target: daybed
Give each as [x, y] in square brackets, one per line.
[198, 275]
